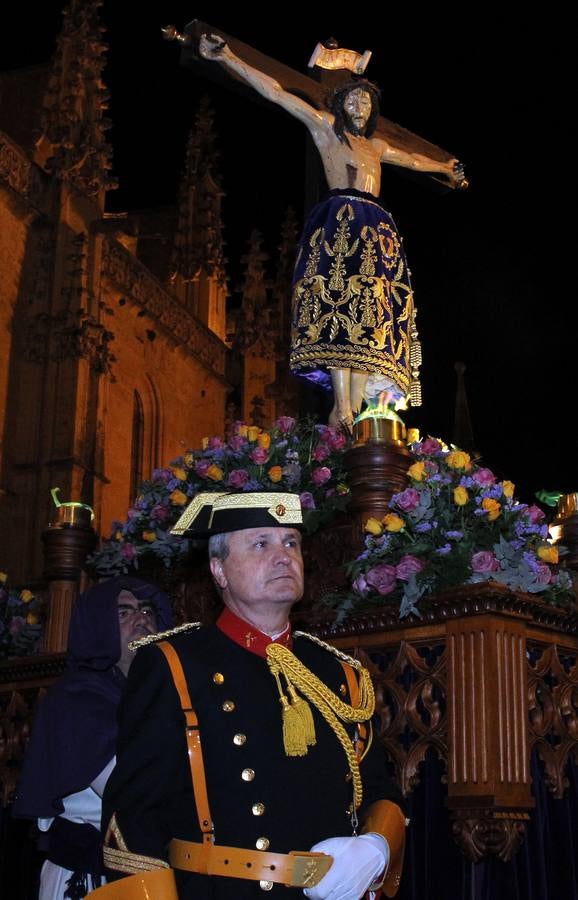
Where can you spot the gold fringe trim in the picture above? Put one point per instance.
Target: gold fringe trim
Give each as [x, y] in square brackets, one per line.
[298, 725]
[131, 863]
[161, 635]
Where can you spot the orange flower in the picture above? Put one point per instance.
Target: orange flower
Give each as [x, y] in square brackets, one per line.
[264, 440]
[373, 526]
[508, 488]
[26, 596]
[179, 473]
[461, 496]
[178, 498]
[493, 508]
[275, 473]
[457, 459]
[393, 522]
[149, 536]
[417, 472]
[548, 554]
[32, 619]
[214, 472]
[243, 430]
[205, 443]
[253, 432]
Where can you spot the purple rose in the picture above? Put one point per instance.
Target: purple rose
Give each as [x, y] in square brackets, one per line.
[320, 453]
[202, 467]
[485, 561]
[16, 625]
[237, 442]
[382, 578]
[408, 566]
[238, 478]
[259, 455]
[407, 500]
[215, 443]
[337, 440]
[535, 514]
[360, 585]
[484, 477]
[159, 513]
[285, 424]
[430, 446]
[307, 501]
[321, 475]
[163, 475]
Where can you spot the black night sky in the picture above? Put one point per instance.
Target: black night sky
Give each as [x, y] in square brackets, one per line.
[491, 265]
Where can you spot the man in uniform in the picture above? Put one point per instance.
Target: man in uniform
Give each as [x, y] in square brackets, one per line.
[242, 742]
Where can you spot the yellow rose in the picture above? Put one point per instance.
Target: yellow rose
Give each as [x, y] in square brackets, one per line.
[275, 473]
[214, 472]
[243, 430]
[264, 440]
[508, 488]
[417, 472]
[189, 458]
[548, 554]
[461, 496]
[179, 473]
[457, 459]
[32, 619]
[253, 432]
[393, 522]
[118, 536]
[205, 443]
[3, 577]
[373, 526]
[493, 508]
[26, 596]
[178, 498]
[149, 536]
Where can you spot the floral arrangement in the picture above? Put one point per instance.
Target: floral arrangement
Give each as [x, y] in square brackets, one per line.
[454, 524]
[293, 455]
[20, 621]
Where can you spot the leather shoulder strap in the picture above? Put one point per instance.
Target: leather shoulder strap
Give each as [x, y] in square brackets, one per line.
[193, 738]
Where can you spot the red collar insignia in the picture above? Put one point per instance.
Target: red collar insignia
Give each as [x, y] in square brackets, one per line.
[247, 636]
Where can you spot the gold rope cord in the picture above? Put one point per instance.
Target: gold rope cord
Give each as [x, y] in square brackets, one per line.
[298, 732]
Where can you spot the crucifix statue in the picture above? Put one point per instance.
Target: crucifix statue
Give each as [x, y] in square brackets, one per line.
[353, 318]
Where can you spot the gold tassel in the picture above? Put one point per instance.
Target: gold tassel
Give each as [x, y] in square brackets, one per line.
[294, 739]
[301, 706]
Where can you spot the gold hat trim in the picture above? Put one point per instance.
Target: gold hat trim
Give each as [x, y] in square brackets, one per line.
[206, 498]
[281, 505]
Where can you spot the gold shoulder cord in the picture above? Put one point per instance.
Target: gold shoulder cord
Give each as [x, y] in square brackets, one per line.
[298, 727]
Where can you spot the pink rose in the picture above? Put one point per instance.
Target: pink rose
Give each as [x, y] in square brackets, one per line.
[535, 513]
[238, 478]
[484, 477]
[307, 500]
[320, 453]
[259, 456]
[215, 443]
[337, 440]
[321, 475]
[408, 566]
[237, 442]
[360, 585]
[285, 424]
[431, 467]
[543, 574]
[128, 552]
[407, 500]
[202, 467]
[430, 446]
[485, 561]
[382, 578]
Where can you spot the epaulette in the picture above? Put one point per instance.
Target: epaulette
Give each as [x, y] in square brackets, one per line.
[161, 635]
[338, 653]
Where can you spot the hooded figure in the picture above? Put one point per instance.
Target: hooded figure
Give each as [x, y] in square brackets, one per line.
[72, 749]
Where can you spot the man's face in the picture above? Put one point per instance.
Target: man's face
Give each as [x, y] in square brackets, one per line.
[264, 567]
[136, 619]
[357, 108]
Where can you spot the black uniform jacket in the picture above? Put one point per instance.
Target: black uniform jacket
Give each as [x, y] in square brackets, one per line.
[294, 802]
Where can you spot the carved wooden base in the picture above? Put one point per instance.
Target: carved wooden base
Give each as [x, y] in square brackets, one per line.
[480, 833]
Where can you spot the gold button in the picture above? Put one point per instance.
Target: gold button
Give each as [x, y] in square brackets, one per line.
[247, 774]
[258, 809]
[342, 689]
[218, 678]
[228, 706]
[262, 843]
[266, 885]
[239, 739]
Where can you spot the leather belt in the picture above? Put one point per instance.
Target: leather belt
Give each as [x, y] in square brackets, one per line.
[295, 869]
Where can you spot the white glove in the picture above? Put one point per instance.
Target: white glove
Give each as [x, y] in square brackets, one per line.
[357, 863]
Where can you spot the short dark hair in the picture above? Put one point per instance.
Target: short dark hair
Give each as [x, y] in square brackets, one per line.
[337, 100]
[219, 546]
